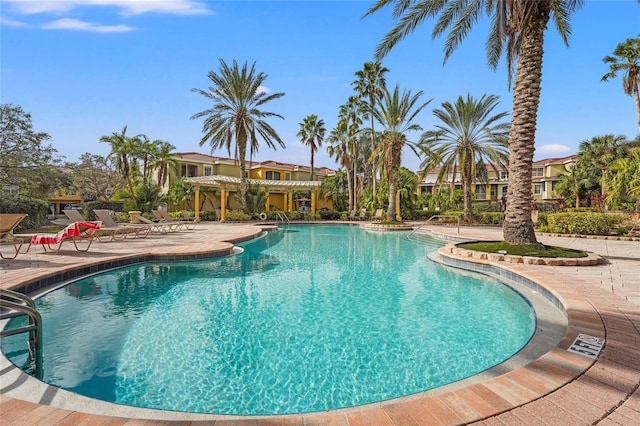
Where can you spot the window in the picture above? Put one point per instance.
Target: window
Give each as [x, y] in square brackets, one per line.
[188, 170]
[537, 189]
[481, 192]
[504, 175]
[537, 172]
[287, 176]
[207, 171]
[271, 175]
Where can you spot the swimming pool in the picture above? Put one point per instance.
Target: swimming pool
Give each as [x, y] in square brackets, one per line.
[308, 318]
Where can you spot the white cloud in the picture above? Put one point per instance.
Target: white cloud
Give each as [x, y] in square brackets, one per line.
[553, 148]
[128, 7]
[74, 24]
[263, 89]
[12, 23]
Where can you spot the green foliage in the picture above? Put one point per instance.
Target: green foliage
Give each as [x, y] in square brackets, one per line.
[488, 218]
[90, 206]
[122, 217]
[148, 195]
[237, 216]
[326, 214]
[208, 215]
[256, 198]
[24, 156]
[536, 249]
[583, 223]
[35, 208]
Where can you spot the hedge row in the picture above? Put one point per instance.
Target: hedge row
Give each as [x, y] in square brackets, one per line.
[37, 211]
[582, 223]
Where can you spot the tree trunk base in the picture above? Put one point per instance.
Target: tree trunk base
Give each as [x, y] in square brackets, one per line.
[519, 232]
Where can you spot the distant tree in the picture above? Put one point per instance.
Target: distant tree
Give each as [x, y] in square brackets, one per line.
[601, 151]
[24, 152]
[468, 136]
[370, 85]
[396, 112]
[339, 140]
[626, 59]
[184, 192]
[96, 177]
[163, 162]
[333, 189]
[236, 118]
[351, 114]
[624, 180]
[312, 133]
[573, 184]
[124, 151]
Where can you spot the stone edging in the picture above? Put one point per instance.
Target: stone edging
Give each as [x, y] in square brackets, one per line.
[591, 259]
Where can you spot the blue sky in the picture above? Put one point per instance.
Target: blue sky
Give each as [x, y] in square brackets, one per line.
[87, 68]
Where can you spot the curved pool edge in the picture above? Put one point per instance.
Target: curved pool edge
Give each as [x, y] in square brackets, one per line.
[474, 402]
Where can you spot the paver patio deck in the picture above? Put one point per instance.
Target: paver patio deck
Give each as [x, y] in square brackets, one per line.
[559, 388]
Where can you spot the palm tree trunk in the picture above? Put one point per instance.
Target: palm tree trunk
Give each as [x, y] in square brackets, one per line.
[350, 189]
[312, 164]
[466, 179]
[393, 182]
[242, 150]
[518, 226]
[636, 97]
[373, 167]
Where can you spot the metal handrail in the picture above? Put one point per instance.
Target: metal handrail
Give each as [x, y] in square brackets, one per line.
[429, 220]
[283, 217]
[24, 305]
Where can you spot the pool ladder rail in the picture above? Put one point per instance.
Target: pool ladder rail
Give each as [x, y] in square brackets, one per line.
[438, 216]
[14, 304]
[282, 217]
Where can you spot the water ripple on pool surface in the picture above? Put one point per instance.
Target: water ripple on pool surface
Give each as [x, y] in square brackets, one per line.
[322, 318]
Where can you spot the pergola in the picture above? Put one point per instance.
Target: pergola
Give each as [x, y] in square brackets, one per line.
[226, 183]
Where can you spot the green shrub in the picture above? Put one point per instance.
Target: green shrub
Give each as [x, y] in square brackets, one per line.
[208, 215]
[326, 214]
[237, 216]
[489, 218]
[543, 219]
[583, 223]
[37, 211]
[622, 231]
[122, 217]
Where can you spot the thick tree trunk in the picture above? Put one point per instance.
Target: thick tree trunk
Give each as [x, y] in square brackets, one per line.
[243, 178]
[393, 183]
[636, 97]
[518, 227]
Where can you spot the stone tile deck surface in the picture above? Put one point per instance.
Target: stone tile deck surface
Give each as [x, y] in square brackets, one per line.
[559, 388]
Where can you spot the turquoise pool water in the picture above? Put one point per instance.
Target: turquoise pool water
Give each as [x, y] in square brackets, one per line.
[308, 318]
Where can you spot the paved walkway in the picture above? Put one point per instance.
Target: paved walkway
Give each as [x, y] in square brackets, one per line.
[557, 388]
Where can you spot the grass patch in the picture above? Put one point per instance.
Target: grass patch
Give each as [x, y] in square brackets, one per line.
[390, 222]
[536, 250]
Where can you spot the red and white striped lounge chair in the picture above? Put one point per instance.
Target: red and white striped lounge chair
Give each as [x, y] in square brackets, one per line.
[77, 231]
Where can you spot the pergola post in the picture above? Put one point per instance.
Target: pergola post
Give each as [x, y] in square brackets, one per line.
[267, 203]
[314, 196]
[223, 203]
[197, 203]
[290, 203]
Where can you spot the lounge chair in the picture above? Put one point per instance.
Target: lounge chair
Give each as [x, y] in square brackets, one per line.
[8, 222]
[186, 217]
[352, 215]
[106, 232]
[363, 214]
[77, 231]
[127, 229]
[378, 215]
[164, 217]
[161, 227]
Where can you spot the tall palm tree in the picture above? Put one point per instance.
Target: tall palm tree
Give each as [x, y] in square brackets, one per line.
[312, 133]
[164, 161]
[518, 28]
[351, 114]
[339, 140]
[124, 151]
[601, 151]
[573, 183]
[624, 180]
[396, 112]
[626, 59]
[370, 84]
[469, 135]
[236, 116]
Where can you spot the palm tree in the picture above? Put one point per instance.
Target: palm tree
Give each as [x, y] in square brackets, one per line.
[573, 183]
[236, 116]
[124, 150]
[601, 151]
[339, 140]
[351, 115]
[469, 136]
[517, 27]
[370, 84]
[312, 134]
[626, 59]
[164, 161]
[624, 181]
[396, 112]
